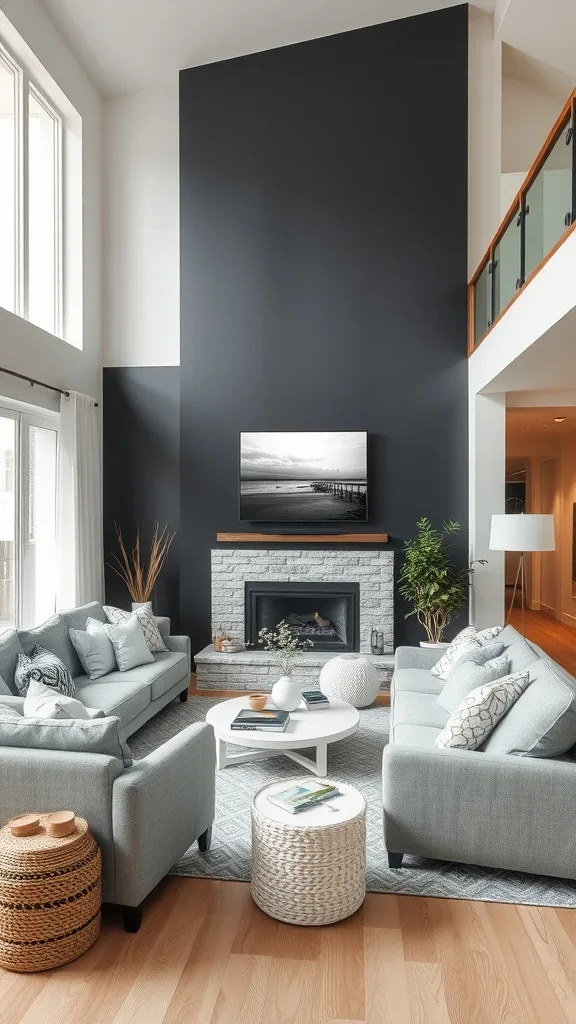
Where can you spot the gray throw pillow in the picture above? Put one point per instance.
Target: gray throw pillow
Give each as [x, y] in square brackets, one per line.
[146, 619]
[97, 736]
[467, 675]
[129, 643]
[5, 690]
[46, 668]
[480, 655]
[543, 722]
[10, 648]
[94, 648]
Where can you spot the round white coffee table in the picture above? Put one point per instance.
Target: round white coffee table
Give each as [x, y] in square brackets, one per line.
[309, 868]
[305, 729]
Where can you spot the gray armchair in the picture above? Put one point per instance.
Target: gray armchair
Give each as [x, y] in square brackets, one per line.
[144, 817]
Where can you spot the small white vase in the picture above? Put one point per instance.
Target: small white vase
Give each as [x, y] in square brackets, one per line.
[286, 694]
[141, 604]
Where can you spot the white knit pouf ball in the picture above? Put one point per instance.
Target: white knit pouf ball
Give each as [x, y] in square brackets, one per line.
[351, 678]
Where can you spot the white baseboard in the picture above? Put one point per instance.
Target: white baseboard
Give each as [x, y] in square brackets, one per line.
[569, 620]
[548, 610]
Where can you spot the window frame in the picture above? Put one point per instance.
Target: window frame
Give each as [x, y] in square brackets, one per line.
[25, 84]
[24, 419]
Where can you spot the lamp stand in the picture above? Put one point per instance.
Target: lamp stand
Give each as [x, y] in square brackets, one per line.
[520, 575]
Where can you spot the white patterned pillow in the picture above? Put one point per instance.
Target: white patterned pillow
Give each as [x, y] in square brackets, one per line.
[146, 619]
[465, 641]
[485, 636]
[480, 712]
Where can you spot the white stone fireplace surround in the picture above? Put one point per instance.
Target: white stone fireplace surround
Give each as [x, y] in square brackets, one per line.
[372, 569]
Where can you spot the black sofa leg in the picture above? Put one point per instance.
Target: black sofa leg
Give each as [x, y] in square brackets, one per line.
[395, 859]
[184, 696]
[204, 840]
[132, 918]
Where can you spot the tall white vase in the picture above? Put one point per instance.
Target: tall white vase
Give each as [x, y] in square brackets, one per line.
[141, 604]
[286, 694]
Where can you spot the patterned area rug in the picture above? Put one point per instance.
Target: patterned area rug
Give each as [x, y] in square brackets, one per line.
[357, 760]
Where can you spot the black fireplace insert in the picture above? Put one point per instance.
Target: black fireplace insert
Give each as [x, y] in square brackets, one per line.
[327, 614]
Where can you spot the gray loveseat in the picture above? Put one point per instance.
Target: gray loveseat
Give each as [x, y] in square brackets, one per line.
[482, 807]
[144, 817]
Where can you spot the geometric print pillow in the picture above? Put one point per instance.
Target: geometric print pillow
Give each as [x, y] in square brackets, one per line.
[152, 635]
[480, 712]
[465, 641]
[46, 668]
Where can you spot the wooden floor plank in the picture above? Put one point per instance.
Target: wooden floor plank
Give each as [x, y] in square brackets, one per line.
[387, 999]
[556, 954]
[292, 992]
[242, 998]
[426, 996]
[341, 969]
[417, 934]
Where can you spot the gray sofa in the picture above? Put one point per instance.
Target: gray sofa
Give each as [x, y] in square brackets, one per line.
[482, 807]
[144, 817]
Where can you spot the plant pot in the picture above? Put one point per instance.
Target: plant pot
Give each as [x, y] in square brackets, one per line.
[141, 604]
[286, 694]
[441, 644]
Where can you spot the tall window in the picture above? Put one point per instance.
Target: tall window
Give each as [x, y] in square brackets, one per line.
[28, 474]
[31, 258]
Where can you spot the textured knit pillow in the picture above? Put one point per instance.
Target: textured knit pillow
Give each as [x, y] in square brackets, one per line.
[94, 648]
[468, 675]
[465, 641]
[46, 668]
[129, 642]
[146, 619]
[480, 712]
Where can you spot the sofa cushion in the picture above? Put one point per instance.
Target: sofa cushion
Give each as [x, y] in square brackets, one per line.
[416, 680]
[468, 674]
[169, 669]
[129, 642]
[5, 690]
[10, 648]
[96, 736]
[519, 651]
[415, 736]
[54, 637]
[479, 713]
[76, 618]
[126, 698]
[418, 709]
[543, 722]
[94, 648]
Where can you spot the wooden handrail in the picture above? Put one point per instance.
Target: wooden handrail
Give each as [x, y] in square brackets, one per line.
[512, 212]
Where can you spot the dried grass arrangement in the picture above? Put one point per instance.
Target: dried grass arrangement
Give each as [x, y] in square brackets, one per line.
[140, 572]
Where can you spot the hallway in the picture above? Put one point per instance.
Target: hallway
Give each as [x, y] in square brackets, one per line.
[557, 639]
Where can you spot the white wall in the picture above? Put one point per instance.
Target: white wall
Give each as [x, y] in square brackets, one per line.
[142, 232]
[24, 347]
[528, 115]
[484, 134]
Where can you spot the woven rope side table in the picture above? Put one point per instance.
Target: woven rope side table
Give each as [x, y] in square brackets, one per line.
[50, 896]
[309, 868]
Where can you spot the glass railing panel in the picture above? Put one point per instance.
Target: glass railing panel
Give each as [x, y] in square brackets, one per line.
[482, 303]
[507, 267]
[549, 202]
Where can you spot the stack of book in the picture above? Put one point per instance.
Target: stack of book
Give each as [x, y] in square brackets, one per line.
[269, 721]
[301, 797]
[315, 699]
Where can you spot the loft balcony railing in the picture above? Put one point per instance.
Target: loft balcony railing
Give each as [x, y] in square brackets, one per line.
[540, 218]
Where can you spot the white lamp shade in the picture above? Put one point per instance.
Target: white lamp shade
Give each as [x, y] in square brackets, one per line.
[522, 533]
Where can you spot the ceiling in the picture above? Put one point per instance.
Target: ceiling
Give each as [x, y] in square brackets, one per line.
[526, 424]
[126, 45]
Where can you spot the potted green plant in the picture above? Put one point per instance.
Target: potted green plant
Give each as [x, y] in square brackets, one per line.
[429, 580]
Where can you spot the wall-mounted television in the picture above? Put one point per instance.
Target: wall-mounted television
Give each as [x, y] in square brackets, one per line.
[298, 476]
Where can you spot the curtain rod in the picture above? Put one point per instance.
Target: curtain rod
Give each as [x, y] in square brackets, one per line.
[32, 381]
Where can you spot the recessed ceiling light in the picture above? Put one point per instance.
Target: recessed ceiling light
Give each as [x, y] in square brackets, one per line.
[559, 419]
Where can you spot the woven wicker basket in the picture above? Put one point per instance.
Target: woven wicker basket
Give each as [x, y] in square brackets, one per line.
[50, 896]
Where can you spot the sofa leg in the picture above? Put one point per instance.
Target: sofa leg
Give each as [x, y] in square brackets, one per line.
[395, 859]
[132, 918]
[204, 840]
[184, 696]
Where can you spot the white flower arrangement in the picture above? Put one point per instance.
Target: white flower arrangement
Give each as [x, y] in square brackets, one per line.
[284, 645]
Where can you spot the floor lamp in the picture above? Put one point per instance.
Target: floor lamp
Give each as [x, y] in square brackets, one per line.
[534, 532]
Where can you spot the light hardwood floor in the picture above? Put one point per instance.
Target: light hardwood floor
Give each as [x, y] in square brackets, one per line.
[557, 639]
[207, 955]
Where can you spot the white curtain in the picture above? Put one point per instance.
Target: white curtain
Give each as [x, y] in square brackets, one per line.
[80, 549]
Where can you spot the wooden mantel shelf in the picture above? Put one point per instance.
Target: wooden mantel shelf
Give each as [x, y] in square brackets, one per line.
[302, 538]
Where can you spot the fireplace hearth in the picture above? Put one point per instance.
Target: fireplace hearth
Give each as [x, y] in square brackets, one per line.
[326, 614]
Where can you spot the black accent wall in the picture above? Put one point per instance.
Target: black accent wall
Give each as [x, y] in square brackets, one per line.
[323, 247]
[142, 470]
[323, 286]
